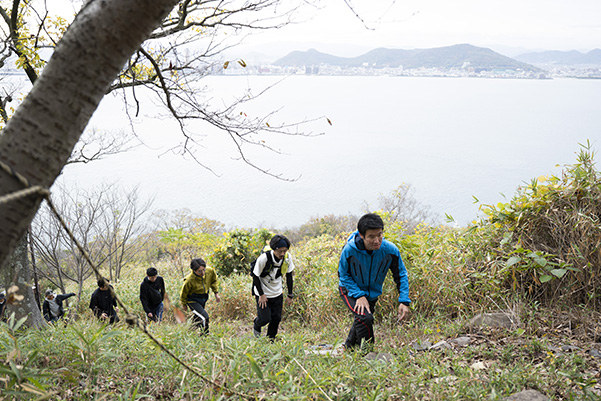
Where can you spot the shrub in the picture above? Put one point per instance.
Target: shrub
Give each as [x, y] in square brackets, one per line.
[237, 251]
[551, 235]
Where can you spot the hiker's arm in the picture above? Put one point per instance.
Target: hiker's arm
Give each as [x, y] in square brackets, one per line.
[215, 283]
[290, 284]
[257, 284]
[183, 295]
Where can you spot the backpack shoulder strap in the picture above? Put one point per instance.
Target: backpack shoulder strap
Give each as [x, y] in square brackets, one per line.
[268, 265]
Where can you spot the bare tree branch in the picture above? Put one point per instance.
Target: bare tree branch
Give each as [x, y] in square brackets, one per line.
[182, 56]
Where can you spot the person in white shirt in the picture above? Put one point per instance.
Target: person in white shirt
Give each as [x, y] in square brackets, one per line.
[267, 272]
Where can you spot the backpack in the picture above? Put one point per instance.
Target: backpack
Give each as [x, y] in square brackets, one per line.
[269, 265]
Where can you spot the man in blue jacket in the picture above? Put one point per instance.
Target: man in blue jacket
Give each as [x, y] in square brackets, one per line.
[364, 263]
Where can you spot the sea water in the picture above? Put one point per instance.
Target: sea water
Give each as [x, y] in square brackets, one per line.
[453, 140]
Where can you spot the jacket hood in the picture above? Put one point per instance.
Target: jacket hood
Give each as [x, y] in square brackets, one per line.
[356, 242]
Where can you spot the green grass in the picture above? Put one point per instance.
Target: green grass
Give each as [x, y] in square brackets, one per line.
[503, 262]
[87, 361]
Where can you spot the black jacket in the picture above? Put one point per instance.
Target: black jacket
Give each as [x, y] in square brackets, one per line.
[102, 302]
[59, 300]
[152, 294]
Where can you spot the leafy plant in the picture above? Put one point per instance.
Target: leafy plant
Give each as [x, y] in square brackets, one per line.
[237, 251]
[550, 232]
[19, 377]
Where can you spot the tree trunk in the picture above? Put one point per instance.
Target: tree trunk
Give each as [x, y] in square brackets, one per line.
[20, 276]
[39, 138]
[36, 283]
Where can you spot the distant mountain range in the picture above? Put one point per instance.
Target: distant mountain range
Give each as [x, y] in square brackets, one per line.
[457, 56]
[572, 57]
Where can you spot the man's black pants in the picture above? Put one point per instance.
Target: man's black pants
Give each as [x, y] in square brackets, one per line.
[201, 317]
[269, 315]
[362, 329]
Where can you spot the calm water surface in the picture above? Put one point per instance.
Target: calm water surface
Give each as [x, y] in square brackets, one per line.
[452, 139]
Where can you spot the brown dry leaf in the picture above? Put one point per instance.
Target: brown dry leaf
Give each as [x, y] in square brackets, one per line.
[180, 317]
[12, 296]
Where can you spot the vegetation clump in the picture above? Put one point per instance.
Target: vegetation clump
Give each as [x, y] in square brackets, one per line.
[551, 232]
[534, 257]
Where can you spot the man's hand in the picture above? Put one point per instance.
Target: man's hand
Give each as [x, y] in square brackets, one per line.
[262, 301]
[403, 312]
[288, 301]
[361, 306]
[217, 297]
[150, 315]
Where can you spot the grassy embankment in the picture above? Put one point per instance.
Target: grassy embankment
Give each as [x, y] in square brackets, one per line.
[536, 256]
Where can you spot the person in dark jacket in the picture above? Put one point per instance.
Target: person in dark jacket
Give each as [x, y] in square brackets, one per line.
[102, 303]
[53, 306]
[152, 293]
[365, 260]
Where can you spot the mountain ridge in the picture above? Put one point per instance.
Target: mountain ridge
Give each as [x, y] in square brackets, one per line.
[571, 57]
[448, 57]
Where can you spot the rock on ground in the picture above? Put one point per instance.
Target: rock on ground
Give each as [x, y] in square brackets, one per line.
[527, 395]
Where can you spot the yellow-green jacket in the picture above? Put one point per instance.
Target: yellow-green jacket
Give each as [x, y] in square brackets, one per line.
[194, 284]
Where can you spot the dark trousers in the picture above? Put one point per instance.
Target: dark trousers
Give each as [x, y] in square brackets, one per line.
[112, 314]
[114, 318]
[201, 317]
[269, 315]
[157, 313]
[362, 329]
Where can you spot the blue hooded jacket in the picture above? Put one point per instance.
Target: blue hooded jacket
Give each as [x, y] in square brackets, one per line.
[363, 274]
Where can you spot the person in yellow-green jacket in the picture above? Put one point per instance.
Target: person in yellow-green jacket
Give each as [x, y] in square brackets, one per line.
[195, 292]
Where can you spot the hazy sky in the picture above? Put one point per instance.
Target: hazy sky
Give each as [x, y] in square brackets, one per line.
[514, 26]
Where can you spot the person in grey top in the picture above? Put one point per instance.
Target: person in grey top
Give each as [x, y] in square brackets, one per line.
[53, 306]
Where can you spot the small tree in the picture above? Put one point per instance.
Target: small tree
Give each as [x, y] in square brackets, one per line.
[400, 206]
[183, 236]
[238, 250]
[182, 246]
[329, 225]
[105, 222]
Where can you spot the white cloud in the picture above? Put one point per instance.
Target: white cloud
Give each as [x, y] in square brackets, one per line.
[528, 24]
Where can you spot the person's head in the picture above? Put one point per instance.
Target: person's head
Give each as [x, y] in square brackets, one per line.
[198, 266]
[371, 230]
[49, 294]
[103, 283]
[280, 245]
[152, 274]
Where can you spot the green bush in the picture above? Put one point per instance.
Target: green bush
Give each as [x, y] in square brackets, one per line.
[237, 251]
[550, 236]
